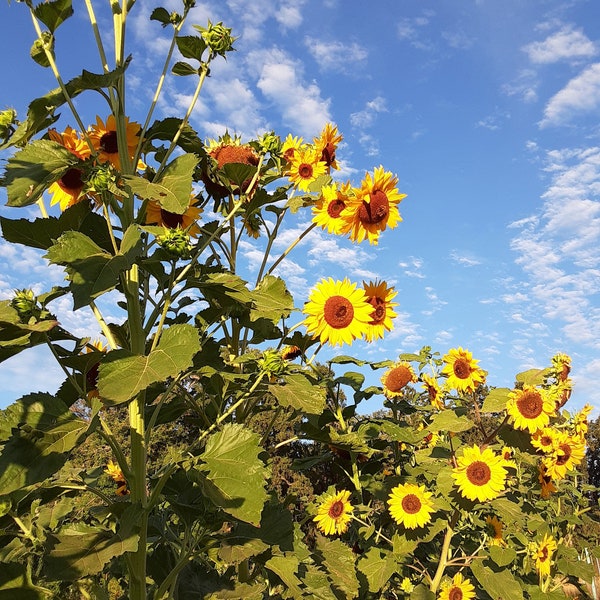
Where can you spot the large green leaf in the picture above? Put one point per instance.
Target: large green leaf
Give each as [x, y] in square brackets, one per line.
[533, 376]
[40, 431]
[340, 563]
[495, 401]
[235, 469]
[300, 393]
[500, 585]
[13, 583]
[286, 568]
[377, 565]
[191, 46]
[448, 420]
[188, 141]
[271, 300]
[53, 13]
[122, 375]
[31, 170]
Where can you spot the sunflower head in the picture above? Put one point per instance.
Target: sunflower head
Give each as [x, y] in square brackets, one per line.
[411, 505]
[305, 168]
[458, 588]
[530, 408]
[290, 146]
[156, 215]
[327, 143]
[328, 211]
[380, 297]
[541, 552]
[462, 370]
[434, 391]
[217, 37]
[334, 513]
[480, 475]
[396, 378]
[494, 529]
[104, 138]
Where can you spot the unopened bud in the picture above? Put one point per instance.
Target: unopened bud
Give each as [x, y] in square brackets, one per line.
[218, 38]
[175, 241]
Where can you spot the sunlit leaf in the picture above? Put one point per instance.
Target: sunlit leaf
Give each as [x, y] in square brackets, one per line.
[286, 568]
[300, 393]
[448, 420]
[271, 300]
[495, 401]
[53, 13]
[377, 565]
[532, 376]
[500, 585]
[340, 563]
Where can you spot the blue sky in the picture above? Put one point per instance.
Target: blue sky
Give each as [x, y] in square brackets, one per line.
[487, 111]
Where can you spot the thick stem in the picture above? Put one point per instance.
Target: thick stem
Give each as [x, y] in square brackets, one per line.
[437, 578]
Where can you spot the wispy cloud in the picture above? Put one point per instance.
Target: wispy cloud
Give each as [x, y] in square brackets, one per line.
[566, 44]
[337, 56]
[464, 258]
[365, 117]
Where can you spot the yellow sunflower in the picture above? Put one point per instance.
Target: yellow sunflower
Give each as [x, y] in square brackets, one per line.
[327, 213]
[464, 375]
[155, 215]
[542, 552]
[568, 452]
[334, 513]
[374, 206]
[543, 439]
[580, 421]
[327, 143]
[380, 297]
[337, 312]
[411, 505]
[290, 146]
[494, 531]
[561, 366]
[434, 391]
[457, 589]
[396, 378]
[104, 139]
[479, 475]
[530, 408]
[305, 167]
[114, 472]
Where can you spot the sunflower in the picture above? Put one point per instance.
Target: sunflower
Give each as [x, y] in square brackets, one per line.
[546, 483]
[374, 207]
[434, 391]
[380, 297]
[334, 513]
[494, 529]
[542, 553]
[290, 146]
[544, 439]
[457, 589]
[104, 139]
[461, 368]
[479, 475]
[411, 505]
[530, 408]
[305, 167]
[327, 213]
[116, 474]
[568, 452]
[561, 366]
[337, 312]
[397, 378]
[155, 215]
[580, 421]
[327, 144]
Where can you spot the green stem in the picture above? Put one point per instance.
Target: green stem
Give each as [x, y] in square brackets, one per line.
[435, 582]
[291, 247]
[104, 326]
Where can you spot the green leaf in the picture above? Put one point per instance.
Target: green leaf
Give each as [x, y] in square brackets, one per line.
[40, 430]
[191, 46]
[402, 432]
[271, 300]
[300, 393]
[500, 585]
[161, 15]
[448, 420]
[286, 568]
[569, 563]
[377, 566]
[533, 376]
[183, 68]
[235, 469]
[13, 583]
[121, 376]
[38, 52]
[340, 562]
[502, 556]
[54, 13]
[188, 140]
[31, 170]
[495, 401]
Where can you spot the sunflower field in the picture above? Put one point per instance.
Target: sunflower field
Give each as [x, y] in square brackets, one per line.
[151, 472]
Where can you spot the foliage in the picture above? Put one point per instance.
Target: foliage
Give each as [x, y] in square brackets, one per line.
[199, 450]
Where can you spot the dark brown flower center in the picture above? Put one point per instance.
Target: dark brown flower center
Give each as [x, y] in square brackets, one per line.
[328, 154]
[289, 154]
[338, 312]
[71, 180]
[171, 220]
[108, 142]
[375, 211]
[462, 368]
[566, 454]
[232, 153]
[336, 509]
[478, 473]
[546, 440]
[335, 207]
[530, 404]
[455, 593]
[378, 314]
[305, 170]
[397, 378]
[411, 504]
[543, 556]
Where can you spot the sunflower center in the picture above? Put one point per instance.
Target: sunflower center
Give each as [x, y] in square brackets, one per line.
[328, 154]
[335, 208]
[338, 312]
[462, 368]
[108, 142]
[546, 440]
[566, 454]
[543, 555]
[455, 593]
[71, 180]
[479, 473]
[411, 504]
[171, 220]
[397, 378]
[305, 170]
[530, 404]
[378, 314]
[336, 509]
[371, 213]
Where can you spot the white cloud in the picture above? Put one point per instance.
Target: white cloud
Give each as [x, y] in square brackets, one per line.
[464, 259]
[524, 86]
[566, 44]
[289, 15]
[580, 95]
[367, 115]
[336, 55]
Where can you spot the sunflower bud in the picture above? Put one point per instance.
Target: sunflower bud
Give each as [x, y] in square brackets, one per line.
[102, 178]
[272, 364]
[175, 241]
[269, 142]
[25, 303]
[218, 38]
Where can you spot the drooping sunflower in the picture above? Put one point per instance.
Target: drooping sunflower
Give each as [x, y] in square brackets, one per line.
[327, 213]
[305, 167]
[396, 378]
[104, 139]
[374, 206]
[542, 552]
[155, 215]
[530, 408]
[580, 421]
[547, 485]
[380, 297]
[327, 143]
[334, 513]
[434, 391]
[479, 475]
[568, 452]
[561, 366]
[411, 505]
[494, 528]
[457, 589]
[464, 375]
[337, 312]
[92, 370]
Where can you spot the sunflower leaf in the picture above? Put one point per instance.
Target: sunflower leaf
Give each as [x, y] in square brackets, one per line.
[495, 401]
[52, 14]
[271, 300]
[299, 393]
[377, 566]
[532, 376]
[191, 46]
[188, 141]
[498, 584]
[183, 68]
[340, 562]
[448, 420]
